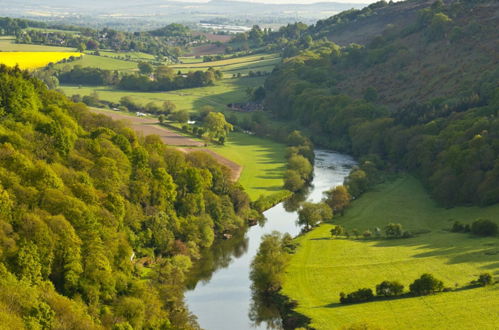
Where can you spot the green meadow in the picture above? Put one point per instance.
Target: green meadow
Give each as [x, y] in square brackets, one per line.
[263, 162]
[323, 267]
[7, 44]
[192, 99]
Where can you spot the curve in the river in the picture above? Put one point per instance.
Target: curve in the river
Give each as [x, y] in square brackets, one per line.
[220, 294]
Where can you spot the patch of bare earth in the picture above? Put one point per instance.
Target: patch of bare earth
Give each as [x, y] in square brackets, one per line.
[149, 126]
[209, 49]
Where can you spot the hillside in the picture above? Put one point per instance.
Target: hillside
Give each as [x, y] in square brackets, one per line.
[423, 97]
[98, 226]
[324, 266]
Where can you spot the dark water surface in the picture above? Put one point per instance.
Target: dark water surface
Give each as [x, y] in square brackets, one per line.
[219, 289]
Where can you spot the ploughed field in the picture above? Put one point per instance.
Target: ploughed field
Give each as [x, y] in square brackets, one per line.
[323, 267]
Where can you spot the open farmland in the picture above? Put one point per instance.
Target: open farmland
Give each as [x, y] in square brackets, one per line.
[33, 60]
[323, 267]
[7, 44]
[190, 99]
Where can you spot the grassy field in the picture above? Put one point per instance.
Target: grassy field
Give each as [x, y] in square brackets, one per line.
[33, 60]
[242, 65]
[7, 44]
[263, 162]
[102, 62]
[192, 99]
[324, 267]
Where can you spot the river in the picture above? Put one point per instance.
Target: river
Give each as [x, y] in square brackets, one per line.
[219, 291]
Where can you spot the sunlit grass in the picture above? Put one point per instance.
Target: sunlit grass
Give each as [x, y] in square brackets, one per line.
[324, 267]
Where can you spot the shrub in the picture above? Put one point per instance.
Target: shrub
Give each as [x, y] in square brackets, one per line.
[393, 230]
[484, 227]
[367, 234]
[484, 280]
[361, 295]
[389, 289]
[425, 285]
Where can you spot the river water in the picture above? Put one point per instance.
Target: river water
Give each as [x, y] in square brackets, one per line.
[219, 291]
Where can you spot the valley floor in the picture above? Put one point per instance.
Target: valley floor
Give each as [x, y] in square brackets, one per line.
[323, 267]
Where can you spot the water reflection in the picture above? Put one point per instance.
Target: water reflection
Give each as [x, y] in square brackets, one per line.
[219, 291]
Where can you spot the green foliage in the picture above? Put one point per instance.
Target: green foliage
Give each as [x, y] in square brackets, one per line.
[338, 199]
[216, 125]
[267, 268]
[361, 295]
[394, 230]
[484, 279]
[84, 201]
[389, 289]
[311, 214]
[425, 285]
[484, 227]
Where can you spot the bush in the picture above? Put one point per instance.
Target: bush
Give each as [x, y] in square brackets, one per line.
[425, 285]
[393, 230]
[484, 280]
[389, 289]
[484, 227]
[361, 295]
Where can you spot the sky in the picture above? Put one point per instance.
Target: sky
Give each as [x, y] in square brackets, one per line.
[293, 1]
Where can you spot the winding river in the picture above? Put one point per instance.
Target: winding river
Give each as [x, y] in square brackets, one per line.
[219, 291]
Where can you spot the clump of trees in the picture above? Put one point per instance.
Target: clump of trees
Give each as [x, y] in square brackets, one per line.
[312, 214]
[479, 227]
[267, 267]
[216, 126]
[484, 279]
[161, 78]
[300, 158]
[425, 285]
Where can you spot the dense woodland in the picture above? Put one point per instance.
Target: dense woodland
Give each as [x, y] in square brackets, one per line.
[98, 226]
[448, 136]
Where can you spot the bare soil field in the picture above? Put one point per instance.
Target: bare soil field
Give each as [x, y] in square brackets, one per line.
[209, 49]
[149, 126]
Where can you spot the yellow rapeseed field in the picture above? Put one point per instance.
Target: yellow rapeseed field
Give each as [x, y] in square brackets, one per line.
[34, 60]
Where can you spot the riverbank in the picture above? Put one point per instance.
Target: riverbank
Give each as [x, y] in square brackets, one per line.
[220, 292]
[323, 267]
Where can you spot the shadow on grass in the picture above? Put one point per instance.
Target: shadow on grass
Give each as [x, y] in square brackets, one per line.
[406, 295]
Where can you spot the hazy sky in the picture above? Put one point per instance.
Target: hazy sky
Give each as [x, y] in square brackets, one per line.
[292, 1]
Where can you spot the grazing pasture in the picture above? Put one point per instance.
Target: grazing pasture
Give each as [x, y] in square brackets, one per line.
[7, 44]
[323, 267]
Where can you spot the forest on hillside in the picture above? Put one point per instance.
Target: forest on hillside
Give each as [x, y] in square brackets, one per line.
[98, 225]
[444, 127]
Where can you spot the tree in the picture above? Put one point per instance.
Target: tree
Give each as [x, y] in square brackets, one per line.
[145, 68]
[293, 181]
[338, 199]
[311, 214]
[267, 268]
[484, 279]
[361, 295]
[216, 125]
[425, 285]
[301, 165]
[168, 107]
[181, 116]
[484, 227]
[337, 230]
[393, 230]
[389, 289]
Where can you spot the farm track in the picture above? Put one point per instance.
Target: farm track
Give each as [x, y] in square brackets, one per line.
[148, 126]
